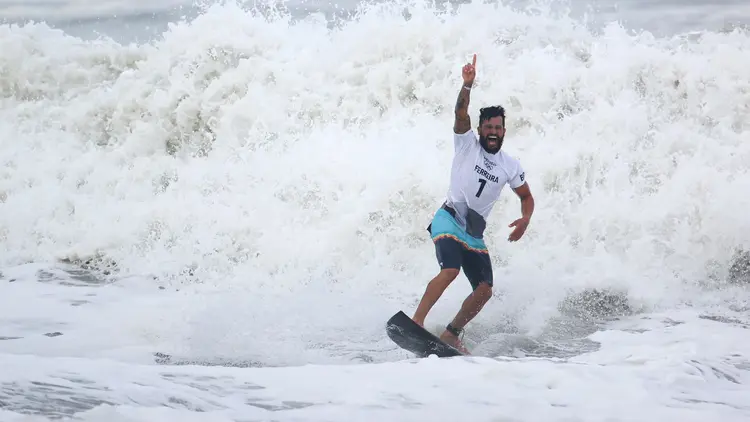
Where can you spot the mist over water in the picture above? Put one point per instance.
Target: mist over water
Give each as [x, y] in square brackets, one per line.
[255, 188]
[144, 21]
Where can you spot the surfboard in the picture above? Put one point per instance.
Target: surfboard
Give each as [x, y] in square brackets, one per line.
[409, 336]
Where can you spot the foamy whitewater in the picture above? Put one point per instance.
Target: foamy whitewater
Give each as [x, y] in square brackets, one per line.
[216, 225]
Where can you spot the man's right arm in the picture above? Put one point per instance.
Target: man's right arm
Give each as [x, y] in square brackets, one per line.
[462, 124]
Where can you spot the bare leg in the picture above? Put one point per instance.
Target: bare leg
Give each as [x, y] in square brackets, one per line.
[434, 290]
[469, 309]
[472, 305]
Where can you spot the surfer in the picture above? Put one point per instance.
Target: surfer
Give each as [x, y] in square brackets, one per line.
[479, 172]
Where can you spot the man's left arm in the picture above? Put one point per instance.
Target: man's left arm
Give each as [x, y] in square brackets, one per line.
[527, 208]
[527, 200]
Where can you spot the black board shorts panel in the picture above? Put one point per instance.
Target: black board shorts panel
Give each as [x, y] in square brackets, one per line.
[476, 265]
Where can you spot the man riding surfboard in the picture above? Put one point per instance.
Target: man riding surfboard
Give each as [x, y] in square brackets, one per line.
[479, 172]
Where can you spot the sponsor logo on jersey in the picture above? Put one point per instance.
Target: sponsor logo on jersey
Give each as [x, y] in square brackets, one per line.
[488, 163]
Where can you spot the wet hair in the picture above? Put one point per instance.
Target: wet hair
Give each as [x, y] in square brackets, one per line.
[486, 113]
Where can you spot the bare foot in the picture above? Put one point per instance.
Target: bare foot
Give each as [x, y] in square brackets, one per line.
[452, 340]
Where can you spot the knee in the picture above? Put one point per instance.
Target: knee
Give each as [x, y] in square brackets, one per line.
[449, 274]
[484, 291]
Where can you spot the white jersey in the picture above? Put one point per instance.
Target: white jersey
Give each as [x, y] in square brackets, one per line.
[478, 177]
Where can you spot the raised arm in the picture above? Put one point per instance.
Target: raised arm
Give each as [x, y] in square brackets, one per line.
[462, 124]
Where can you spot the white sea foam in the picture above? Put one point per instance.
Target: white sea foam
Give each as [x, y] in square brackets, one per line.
[665, 374]
[275, 178]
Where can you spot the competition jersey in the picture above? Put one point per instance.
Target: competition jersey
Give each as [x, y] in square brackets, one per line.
[478, 177]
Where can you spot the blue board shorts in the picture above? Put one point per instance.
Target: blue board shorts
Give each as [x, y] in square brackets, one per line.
[454, 248]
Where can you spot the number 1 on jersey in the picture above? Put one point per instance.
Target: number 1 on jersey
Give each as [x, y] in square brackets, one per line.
[482, 182]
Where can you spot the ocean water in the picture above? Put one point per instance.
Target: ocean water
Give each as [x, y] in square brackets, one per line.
[211, 218]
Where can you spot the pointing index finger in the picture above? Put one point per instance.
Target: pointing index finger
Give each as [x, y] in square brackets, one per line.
[474, 61]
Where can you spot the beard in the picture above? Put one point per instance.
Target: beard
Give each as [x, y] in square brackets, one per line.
[497, 141]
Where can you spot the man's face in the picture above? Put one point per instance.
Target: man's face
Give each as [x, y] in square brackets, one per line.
[491, 134]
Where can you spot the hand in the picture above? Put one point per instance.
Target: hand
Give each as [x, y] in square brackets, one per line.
[520, 227]
[469, 71]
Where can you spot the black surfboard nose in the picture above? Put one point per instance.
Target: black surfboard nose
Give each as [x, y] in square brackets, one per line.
[408, 335]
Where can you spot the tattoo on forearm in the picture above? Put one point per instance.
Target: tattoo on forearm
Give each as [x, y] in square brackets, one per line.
[462, 102]
[463, 121]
